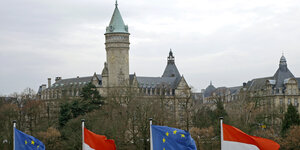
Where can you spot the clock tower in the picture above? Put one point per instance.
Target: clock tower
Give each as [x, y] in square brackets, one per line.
[117, 51]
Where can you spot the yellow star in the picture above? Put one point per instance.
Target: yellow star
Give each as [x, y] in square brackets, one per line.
[38, 147]
[182, 135]
[25, 142]
[167, 134]
[164, 140]
[32, 142]
[174, 132]
[164, 149]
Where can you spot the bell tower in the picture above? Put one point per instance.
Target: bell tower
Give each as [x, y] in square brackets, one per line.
[117, 50]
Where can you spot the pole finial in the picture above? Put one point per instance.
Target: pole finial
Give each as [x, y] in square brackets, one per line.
[82, 120]
[221, 118]
[150, 119]
[116, 3]
[14, 121]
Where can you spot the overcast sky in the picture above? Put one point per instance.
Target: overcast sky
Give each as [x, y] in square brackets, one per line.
[226, 41]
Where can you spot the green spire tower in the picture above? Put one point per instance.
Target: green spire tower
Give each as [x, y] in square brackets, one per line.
[117, 50]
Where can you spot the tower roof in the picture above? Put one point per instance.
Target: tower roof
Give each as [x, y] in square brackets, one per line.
[116, 24]
[209, 90]
[282, 72]
[171, 69]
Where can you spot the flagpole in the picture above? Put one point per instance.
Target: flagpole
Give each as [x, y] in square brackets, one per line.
[82, 132]
[151, 141]
[14, 127]
[222, 138]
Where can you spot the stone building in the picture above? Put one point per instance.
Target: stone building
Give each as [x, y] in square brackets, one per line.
[277, 91]
[226, 94]
[115, 73]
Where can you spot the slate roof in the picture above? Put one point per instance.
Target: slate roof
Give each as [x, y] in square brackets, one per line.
[234, 90]
[281, 75]
[171, 69]
[154, 82]
[80, 81]
[298, 80]
[258, 83]
[208, 91]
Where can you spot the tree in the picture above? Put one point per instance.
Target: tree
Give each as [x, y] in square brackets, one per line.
[291, 117]
[91, 94]
[51, 138]
[8, 113]
[292, 141]
[90, 99]
[65, 114]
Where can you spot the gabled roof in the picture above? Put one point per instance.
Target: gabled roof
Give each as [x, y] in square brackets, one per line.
[117, 24]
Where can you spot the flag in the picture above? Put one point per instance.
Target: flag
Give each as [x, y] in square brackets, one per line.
[233, 138]
[167, 138]
[94, 141]
[27, 142]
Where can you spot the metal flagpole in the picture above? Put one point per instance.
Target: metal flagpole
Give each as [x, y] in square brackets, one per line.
[82, 132]
[14, 125]
[151, 141]
[222, 138]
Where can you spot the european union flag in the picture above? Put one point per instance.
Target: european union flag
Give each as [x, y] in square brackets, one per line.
[167, 138]
[27, 142]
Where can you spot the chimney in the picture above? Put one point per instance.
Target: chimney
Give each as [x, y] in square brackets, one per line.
[49, 82]
[57, 79]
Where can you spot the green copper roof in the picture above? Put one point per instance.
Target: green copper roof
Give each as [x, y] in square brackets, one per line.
[116, 24]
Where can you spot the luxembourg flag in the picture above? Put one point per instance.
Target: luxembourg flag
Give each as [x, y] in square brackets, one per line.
[92, 141]
[234, 139]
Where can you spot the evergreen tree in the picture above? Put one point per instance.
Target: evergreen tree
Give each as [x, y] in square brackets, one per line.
[90, 99]
[291, 117]
[65, 114]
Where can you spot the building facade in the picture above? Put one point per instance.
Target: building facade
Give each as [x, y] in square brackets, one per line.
[277, 91]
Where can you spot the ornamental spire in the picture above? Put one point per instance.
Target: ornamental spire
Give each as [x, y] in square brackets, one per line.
[171, 58]
[116, 24]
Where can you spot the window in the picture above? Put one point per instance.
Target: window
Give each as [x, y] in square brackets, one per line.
[296, 102]
[289, 101]
[281, 101]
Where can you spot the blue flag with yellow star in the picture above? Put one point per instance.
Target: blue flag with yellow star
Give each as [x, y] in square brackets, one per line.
[167, 138]
[27, 142]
